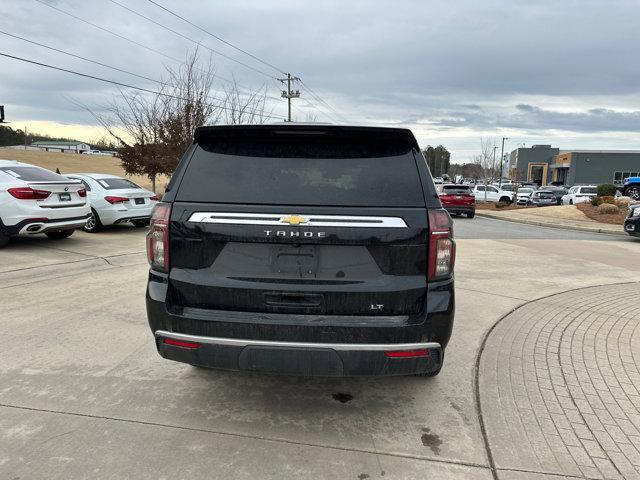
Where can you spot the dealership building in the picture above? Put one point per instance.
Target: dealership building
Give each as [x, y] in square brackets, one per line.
[543, 164]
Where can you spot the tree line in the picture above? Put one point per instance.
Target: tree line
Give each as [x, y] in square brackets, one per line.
[10, 137]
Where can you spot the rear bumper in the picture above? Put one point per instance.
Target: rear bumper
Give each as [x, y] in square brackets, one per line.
[298, 358]
[112, 216]
[459, 208]
[303, 344]
[36, 226]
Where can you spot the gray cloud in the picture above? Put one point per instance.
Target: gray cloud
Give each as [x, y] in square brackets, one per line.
[440, 67]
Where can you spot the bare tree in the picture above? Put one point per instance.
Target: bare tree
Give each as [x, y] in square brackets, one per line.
[152, 131]
[242, 108]
[485, 160]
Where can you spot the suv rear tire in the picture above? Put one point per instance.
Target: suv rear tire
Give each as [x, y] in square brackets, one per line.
[506, 200]
[59, 235]
[471, 214]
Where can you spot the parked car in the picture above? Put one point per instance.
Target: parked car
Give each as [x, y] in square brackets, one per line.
[489, 193]
[543, 198]
[115, 200]
[458, 199]
[558, 192]
[438, 180]
[34, 201]
[631, 188]
[632, 222]
[302, 249]
[523, 195]
[580, 194]
[509, 187]
[98, 152]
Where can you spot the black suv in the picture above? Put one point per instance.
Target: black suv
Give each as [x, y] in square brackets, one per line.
[302, 249]
[632, 222]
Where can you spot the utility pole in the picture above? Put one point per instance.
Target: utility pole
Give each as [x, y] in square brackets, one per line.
[493, 166]
[502, 160]
[289, 93]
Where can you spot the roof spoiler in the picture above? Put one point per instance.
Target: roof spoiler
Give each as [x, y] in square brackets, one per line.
[282, 131]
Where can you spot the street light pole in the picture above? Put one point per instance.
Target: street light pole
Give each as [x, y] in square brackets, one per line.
[502, 160]
[493, 165]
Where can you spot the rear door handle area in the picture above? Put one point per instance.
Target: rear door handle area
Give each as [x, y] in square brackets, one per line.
[293, 299]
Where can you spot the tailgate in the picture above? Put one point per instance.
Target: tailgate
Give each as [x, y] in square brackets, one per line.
[63, 194]
[298, 260]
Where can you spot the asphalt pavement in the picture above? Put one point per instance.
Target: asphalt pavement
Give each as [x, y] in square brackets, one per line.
[482, 227]
[83, 393]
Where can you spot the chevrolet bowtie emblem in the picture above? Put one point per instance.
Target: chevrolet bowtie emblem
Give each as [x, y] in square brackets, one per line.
[294, 220]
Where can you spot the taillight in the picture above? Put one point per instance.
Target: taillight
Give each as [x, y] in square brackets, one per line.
[82, 192]
[155, 198]
[28, 193]
[113, 200]
[442, 248]
[158, 237]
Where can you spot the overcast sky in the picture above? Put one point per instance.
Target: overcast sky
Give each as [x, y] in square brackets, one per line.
[560, 72]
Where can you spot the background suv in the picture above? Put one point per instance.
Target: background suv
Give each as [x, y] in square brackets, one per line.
[302, 249]
[458, 199]
[34, 200]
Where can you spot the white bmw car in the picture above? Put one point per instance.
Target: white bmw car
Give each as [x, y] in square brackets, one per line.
[34, 200]
[115, 200]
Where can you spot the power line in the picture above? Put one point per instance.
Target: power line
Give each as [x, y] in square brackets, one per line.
[175, 32]
[279, 70]
[146, 47]
[319, 99]
[80, 57]
[113, 82]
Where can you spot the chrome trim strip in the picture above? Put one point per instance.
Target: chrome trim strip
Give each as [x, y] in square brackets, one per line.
[312, 220]
[235, 342]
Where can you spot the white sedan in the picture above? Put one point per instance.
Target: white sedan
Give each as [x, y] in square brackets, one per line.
[580, 194]
[34, 200]
[115, 200]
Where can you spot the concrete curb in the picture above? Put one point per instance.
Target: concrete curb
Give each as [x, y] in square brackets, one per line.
[550, 225]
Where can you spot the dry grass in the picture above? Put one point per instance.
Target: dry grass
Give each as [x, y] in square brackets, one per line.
[611, 218]
[77, 163]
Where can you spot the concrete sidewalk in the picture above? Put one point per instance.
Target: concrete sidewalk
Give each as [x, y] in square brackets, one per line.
[567, 217]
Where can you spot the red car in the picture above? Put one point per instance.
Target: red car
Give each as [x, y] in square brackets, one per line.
[458, 199]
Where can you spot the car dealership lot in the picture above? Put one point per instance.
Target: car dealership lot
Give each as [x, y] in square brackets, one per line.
[83, 393]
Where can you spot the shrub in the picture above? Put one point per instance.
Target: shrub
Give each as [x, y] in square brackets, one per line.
[609, 199]
[502, 204]
[608, 208]
[596, 201]
[606, 190]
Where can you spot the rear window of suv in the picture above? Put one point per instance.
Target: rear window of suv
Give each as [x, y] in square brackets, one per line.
[456, 190]
[305, 172]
